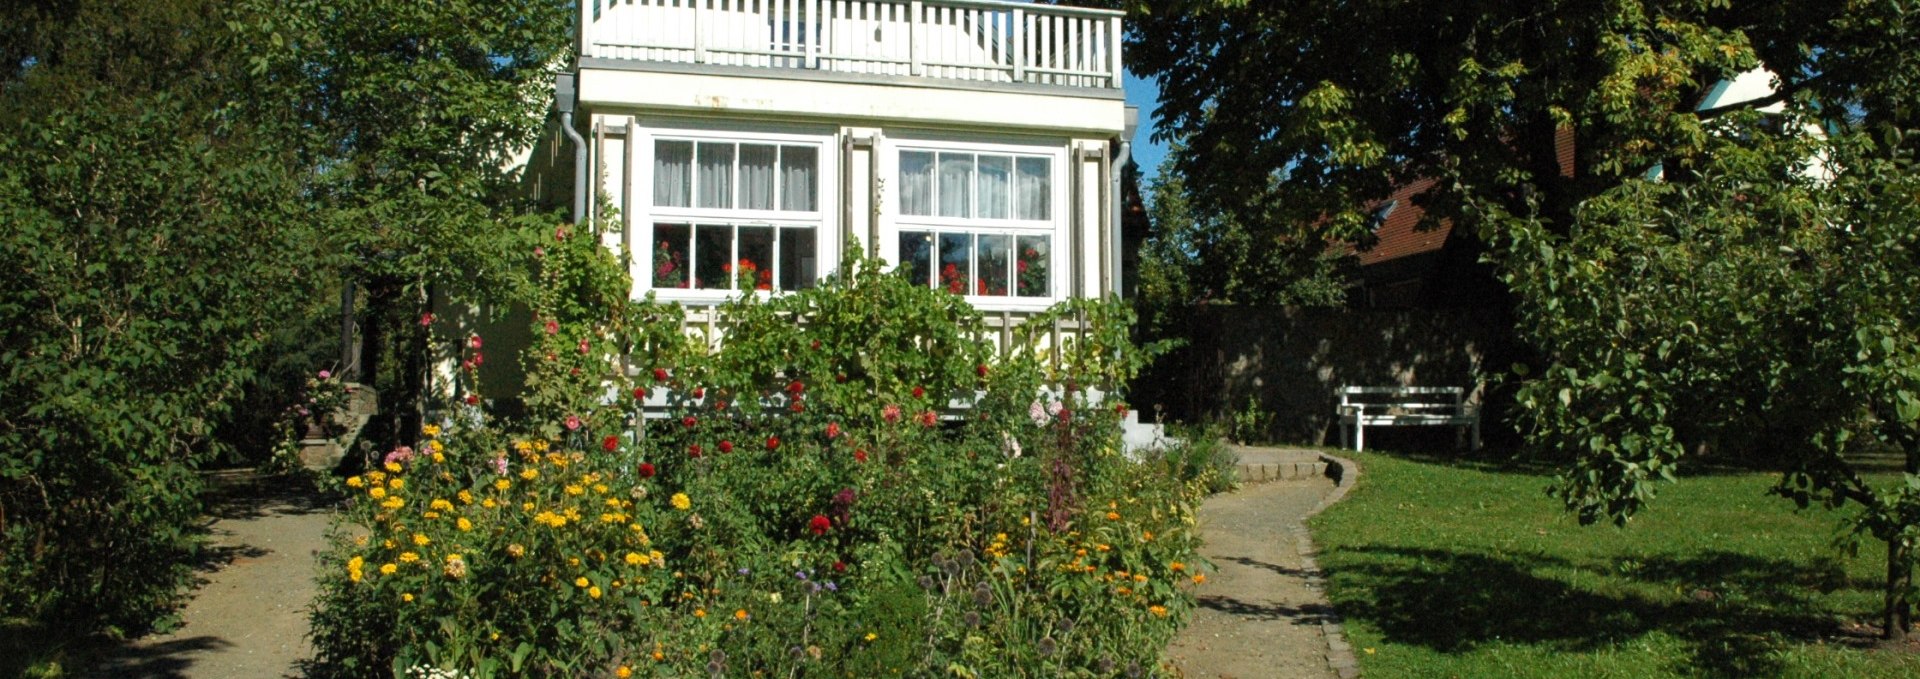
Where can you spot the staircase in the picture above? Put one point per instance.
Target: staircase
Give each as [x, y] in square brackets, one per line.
[1259, 463]
[323, 454]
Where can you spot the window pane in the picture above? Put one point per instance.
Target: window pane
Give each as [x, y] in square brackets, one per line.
[1034, 189]
[1030, 268]
[673, 173]
[993, 263]
[756, 176]
[799, 165]
[994, 171]
[754, 269]
[956, 253]
[712, 257]
[670, 259]
[916, 183]
[716, 175]
[797, 257]
[916, 257]
[956, 185]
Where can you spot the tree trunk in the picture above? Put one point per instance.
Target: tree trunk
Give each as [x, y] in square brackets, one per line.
[1899, 614]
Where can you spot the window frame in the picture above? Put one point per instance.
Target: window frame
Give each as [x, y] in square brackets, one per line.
[894, 221]
[646, 215]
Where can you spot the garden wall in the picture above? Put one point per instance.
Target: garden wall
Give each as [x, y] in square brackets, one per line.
[1291, 360]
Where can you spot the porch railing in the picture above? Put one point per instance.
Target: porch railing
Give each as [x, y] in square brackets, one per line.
[969, 40]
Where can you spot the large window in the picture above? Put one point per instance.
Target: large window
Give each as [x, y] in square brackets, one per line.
[734, 215]
[979, 222]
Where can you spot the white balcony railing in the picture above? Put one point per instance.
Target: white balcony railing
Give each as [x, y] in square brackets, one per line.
[972, 40]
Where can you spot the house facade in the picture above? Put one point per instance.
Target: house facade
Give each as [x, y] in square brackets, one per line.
[740, 147]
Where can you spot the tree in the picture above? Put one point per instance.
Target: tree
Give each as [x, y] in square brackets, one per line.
[414, 113]
[1671, 315]
[152, 236]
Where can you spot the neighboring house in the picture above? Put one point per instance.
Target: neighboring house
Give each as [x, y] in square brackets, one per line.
[741, 145]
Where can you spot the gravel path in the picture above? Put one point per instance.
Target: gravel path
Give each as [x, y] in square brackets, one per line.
[248, 618]
[1262, 614]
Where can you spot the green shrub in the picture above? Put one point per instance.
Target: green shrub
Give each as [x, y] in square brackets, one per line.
[806, 510]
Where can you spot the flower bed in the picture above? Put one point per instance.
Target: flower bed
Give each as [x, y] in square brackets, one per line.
[853, 533]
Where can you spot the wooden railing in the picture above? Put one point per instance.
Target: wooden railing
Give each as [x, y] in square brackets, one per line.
[973, 40]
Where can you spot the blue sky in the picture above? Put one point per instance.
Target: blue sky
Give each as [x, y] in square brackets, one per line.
[1145, 94]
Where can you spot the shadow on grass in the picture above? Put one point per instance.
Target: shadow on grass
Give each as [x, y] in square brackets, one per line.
[1730, 611]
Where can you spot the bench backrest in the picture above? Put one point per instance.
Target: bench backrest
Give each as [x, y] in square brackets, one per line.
[1407, 398]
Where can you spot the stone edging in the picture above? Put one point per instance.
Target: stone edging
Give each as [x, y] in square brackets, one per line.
[1339, 652]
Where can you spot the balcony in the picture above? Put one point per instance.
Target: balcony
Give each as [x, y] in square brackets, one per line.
[958, 43]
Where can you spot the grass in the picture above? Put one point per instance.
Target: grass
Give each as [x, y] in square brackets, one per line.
[1451, 569]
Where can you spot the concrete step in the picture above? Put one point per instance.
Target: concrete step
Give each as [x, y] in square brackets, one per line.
[1263, 463]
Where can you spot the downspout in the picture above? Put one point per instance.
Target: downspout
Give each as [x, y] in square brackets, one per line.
[845, 232]
[873, 195]
[1117, 222]
[563, 100]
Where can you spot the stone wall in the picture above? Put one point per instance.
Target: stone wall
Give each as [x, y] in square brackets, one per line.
[1290, 362]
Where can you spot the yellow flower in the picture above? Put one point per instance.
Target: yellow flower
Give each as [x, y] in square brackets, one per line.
[394, 503]
[406, 596]
[871, 636]
[463, 524]
[523, 446]
[681, 502]
[699, 612]
[1200, 578]
[529, 473]
[377, 493]
[516, 551]
[465, 497]
[1139, 578]
[623, 672]
[502, 484]
[1158, 611]
[355, 482]
[657, 558]
[580, 581]
[594, 591]
[421, 539]
[409, 557]
[430, 430]
[435, 447]
[740, 614]
[376, 476]
[440, 505]
[393, 467]
[397, 483]
[636, 559]
[356, 562]
[388, 569]
[489, 503]
[574, 489]
[1176, 567]
[1113, 516]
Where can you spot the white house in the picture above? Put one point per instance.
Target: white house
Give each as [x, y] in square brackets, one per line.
[741, 145]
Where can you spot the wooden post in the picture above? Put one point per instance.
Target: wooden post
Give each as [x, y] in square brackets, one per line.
[916, 42]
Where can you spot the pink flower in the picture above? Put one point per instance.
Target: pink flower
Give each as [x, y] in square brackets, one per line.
[553, 327]
[400, 455]
[573, 422]
[833, 430]
[326, 374]
[500, 465]
[426, 319]
[928, 419]
[583, 345]
[473, 342]
[479, 358]
[539, 251]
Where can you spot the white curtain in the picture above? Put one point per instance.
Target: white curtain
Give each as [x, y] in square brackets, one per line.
[799, 166]
[716, 175]
[916, 183]
[956, 184]
[756, 176]
[1034, 189]
[994, 171]
[673, 173]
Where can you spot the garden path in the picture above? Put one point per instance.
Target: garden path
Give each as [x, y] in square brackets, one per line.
[1263, 613]
[247, 619]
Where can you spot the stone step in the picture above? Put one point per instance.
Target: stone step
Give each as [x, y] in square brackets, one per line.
[1281, 471]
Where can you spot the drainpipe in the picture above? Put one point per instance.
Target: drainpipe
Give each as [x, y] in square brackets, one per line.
[1118, 203]
[563, 100]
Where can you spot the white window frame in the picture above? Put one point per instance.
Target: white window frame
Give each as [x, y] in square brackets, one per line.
[893, 220]
[646, 214]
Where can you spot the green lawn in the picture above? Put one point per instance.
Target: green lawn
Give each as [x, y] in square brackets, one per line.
[1447, 569]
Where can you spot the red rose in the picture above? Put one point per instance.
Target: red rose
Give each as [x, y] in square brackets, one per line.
[610, 443]
[700, 392]
[859, 456]
[693, 450]
[981, 369]
[815, 345]
[426, 319]
[646, 470]
[839, 566]
[689, 421]
[479, 358]
[795, 387]
[553, 327]
[773, 443]
[819, 525]
[639, 393]
[659, 374]
[1121, 410]
[473, 399]
[1066, 415]
[726, 446]
[919, 392]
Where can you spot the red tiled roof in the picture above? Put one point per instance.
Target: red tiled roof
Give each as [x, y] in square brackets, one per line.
[1399, 235]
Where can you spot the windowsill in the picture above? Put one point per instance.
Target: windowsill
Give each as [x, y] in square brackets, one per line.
[717, 297]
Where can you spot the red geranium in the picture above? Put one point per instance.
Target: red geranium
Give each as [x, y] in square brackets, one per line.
[646, 470]
[659, 374]
[773, 443]
[981, 369]
[639, 393]
[795, 387]
[610, 443]
[819, 525]
[726, 446]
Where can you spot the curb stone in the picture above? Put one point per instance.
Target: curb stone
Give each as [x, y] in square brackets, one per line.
[1339, 653]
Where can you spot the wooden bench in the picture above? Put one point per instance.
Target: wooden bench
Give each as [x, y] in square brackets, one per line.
[1398, 406]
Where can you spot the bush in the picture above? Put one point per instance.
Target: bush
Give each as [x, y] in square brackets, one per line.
[807, 510]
